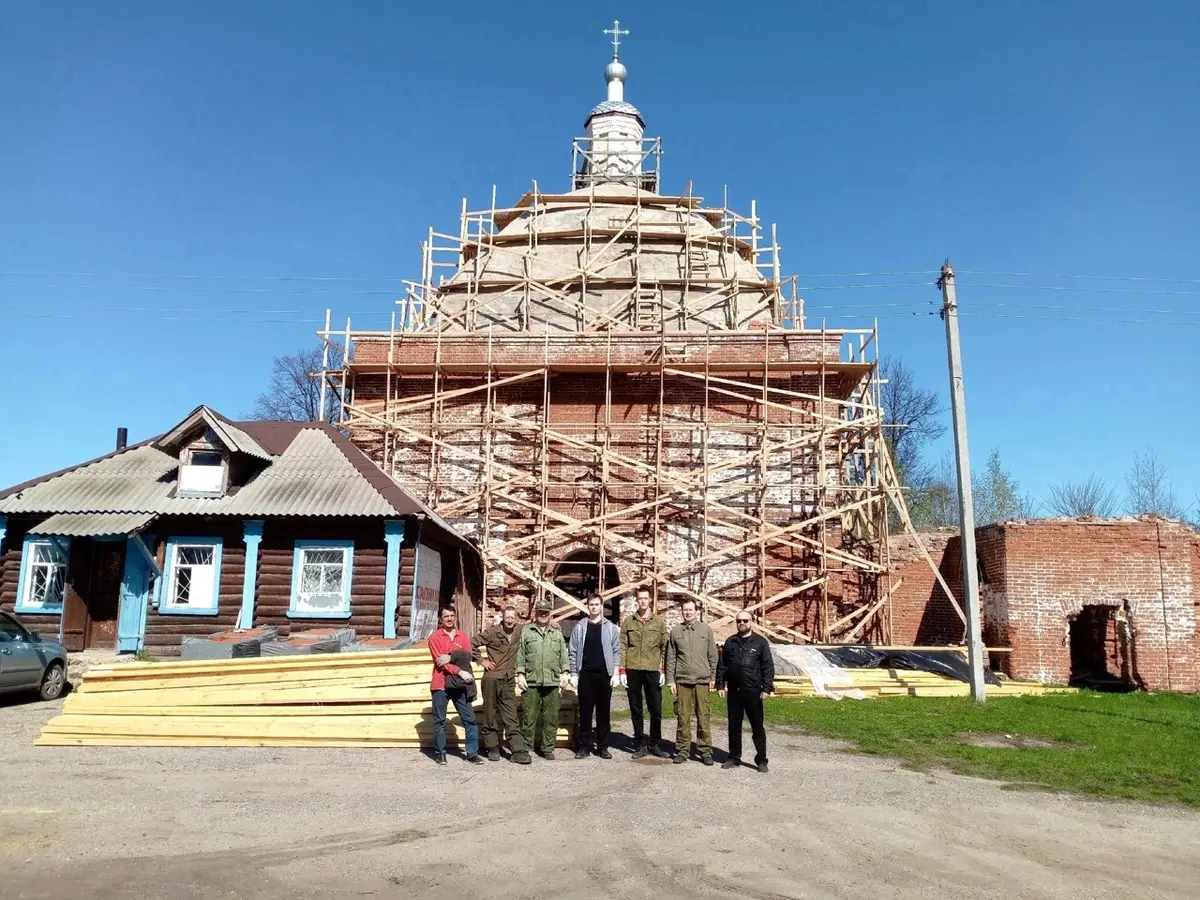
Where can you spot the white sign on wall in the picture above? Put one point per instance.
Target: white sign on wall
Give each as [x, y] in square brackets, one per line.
[427, 592]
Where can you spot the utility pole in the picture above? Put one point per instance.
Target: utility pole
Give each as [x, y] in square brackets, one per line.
[966, 511]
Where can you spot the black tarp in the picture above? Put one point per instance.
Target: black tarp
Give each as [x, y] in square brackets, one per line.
[950, 663]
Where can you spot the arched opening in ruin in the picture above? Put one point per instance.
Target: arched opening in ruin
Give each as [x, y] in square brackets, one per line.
[1097, 656]
[580, 574]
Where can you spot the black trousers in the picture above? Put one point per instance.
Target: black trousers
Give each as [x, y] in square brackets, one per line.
[595, 696]
[750, 703]
[643, 681]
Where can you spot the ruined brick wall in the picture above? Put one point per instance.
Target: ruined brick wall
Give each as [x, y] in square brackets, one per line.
[920, 612]
[1054, 568]
[1038, 576]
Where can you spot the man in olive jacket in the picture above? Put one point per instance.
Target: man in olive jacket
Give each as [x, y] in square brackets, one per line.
[542, 673]
[643, 641]
[499, 682]
[691, 674]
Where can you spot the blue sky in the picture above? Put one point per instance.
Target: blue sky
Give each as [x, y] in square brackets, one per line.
[289, 157]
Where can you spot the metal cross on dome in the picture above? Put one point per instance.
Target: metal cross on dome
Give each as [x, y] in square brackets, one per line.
[616, 33]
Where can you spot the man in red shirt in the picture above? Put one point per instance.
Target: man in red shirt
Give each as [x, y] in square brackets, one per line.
[443, 643]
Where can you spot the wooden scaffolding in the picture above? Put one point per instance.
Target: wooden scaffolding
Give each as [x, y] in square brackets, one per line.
[614, 389]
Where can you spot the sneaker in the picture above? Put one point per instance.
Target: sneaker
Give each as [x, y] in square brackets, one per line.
[581, 754]
[494, 754]
[639, 752]
[659, 752]
[547, 755]
[476, 760]
[679, 758]
[439, 758]
[707, 759]
[521, 757]
[731, 764]
[762, 768]
[603, 753]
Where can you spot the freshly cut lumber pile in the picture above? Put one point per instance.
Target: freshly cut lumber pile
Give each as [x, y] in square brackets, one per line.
[369, 699]
[905, 683]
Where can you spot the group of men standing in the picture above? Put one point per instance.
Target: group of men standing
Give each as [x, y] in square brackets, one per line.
[640, 656]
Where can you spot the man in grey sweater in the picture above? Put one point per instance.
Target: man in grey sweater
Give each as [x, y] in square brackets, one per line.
[595, 650]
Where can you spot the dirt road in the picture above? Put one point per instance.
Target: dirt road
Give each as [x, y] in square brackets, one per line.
[148, 823]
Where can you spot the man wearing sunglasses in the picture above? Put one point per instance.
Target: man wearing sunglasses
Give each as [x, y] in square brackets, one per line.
[745, 677]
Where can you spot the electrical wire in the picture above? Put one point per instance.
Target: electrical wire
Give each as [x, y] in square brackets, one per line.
[1080, 277]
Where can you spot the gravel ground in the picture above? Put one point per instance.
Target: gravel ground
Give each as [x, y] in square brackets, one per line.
[118, 823]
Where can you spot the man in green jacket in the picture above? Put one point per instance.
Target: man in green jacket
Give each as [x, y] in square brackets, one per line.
[643, 640]
[543, 670]
[691, 674]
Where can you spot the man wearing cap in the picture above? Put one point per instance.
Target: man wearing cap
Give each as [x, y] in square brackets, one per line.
[643, 641]
[542, 673]
[499, 681]
[745, 677]
[691, 674]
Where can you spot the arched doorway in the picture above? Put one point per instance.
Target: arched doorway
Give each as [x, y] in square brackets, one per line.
[580, 574]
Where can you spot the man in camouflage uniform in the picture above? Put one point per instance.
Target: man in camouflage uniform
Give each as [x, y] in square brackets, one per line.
[542, 673]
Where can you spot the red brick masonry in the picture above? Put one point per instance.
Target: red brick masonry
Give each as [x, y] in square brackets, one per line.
[1038, 576]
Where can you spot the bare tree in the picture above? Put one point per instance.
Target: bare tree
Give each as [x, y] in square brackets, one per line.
[294, 392]
[1091, 498]
[911, 418]
[1150, 488]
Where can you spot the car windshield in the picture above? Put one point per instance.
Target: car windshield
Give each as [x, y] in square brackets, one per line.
[10, 630]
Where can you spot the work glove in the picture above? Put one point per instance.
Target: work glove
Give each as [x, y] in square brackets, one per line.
[563, 680]
[522, 685]
[574, 682]
[466, 676]
[662, 678]
[619, 680]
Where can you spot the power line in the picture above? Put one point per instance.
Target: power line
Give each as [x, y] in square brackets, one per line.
[1158, 322]
[1116, 309]
[202, 277]
[1087, 290]
[1082, 277]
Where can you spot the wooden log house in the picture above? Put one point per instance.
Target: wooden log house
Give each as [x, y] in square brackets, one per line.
[217, 525]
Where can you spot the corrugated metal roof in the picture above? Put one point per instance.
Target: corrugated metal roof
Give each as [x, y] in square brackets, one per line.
[229, 434]
[140, 480]
[311, 478]
[316, 471]
[93, 524]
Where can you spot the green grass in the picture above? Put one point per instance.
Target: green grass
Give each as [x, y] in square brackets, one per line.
[1128, 746]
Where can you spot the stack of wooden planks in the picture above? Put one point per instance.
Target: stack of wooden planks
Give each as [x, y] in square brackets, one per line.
[904, 683]
[370, 699]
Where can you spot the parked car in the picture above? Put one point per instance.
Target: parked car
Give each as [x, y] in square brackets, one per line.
[30, 662]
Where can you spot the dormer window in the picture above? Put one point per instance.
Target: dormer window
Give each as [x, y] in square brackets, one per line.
[203, 473]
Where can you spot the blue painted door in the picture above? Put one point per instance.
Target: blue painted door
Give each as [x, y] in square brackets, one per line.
[135, 594]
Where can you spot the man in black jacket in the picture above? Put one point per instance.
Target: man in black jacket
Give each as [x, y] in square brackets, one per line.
[745, 677]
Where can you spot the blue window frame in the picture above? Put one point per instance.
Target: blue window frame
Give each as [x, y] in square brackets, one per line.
[192, 582]
[321, 575]
[42, 583]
